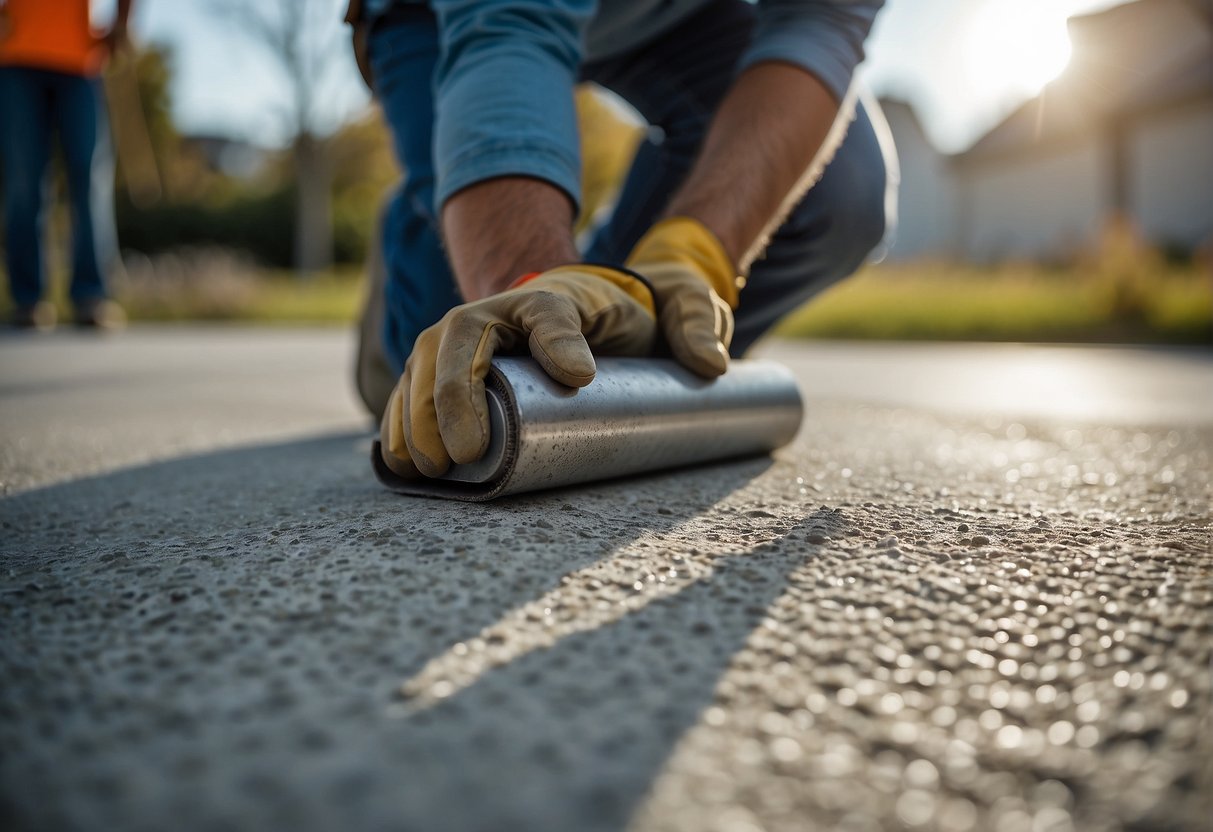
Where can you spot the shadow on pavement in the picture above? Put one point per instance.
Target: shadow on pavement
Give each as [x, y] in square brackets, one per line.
[573, 736]
[218, 641]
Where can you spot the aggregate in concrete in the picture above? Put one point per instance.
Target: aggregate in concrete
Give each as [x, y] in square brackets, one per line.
[913, 617]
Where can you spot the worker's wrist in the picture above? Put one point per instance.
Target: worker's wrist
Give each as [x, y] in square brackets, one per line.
[503, 280]
[632, 284]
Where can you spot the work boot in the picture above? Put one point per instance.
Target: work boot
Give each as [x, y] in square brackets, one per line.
[372, 373]
[101, 313]
[41, 316]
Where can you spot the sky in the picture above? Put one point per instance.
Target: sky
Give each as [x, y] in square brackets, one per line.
[963, 64]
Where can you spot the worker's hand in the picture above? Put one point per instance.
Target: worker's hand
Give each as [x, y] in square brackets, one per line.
[695, 284]
[438, 414]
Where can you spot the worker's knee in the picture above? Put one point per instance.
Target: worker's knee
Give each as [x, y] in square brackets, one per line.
[860, 225]
[845, 216]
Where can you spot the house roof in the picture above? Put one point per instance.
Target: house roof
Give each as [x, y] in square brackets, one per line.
[1127, 60]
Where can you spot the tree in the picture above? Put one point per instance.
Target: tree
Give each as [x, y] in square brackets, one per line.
[305, 40]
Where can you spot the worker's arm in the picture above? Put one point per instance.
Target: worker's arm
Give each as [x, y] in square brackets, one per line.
[507, 169]
[755, 165]
[752, 168]
[506, 227]
[506, 149]
[767, 144]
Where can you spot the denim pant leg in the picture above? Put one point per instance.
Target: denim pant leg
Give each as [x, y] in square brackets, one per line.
[25, 122]
[677, 83]
[83, 126]
[420, 287]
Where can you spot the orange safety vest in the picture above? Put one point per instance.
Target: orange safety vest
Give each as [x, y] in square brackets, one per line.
[50, 34]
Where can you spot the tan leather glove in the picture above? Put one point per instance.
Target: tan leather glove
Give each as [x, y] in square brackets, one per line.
[696, 287]
[438, 414]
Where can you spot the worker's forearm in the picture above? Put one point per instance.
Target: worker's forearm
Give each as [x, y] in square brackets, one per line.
[755, 161]
[501, 228]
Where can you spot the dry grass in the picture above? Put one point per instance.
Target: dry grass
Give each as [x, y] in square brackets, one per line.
[952, 302]
[219, 285]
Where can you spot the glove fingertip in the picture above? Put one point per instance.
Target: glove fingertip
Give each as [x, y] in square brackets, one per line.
[400, 466]
[426, 466]
[420, 427]
[467, 441]
[392, 448]
[703, 359]
[463, 418]
[567, 360]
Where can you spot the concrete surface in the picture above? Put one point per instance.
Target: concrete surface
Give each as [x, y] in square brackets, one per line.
[976, 593]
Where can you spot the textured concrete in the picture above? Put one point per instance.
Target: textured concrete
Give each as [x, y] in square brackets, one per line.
[927, 613]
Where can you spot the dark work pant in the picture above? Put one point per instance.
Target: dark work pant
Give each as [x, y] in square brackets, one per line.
[37, 105]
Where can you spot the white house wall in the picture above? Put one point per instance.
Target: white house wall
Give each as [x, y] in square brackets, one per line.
[1171, 186]
[925, 200]
[1041, 206]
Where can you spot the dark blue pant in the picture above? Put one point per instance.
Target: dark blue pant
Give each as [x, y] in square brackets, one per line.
[676, 83]
[36, 105]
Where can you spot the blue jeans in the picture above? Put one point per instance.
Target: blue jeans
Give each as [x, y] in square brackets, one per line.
[676, 83]
[36, 104]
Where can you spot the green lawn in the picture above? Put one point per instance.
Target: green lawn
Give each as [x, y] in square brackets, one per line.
[265, 298]
[945, 302]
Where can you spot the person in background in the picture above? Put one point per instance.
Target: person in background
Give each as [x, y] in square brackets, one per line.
[766, 178]
[50, 86]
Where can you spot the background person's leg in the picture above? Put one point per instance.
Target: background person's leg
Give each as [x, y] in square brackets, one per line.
[24, 152]
[676, 83]
[420, 287]
[83, 127]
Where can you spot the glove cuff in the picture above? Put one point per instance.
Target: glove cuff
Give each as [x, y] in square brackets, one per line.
[687, 240]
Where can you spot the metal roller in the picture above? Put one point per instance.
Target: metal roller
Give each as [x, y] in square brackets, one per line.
[638, 415]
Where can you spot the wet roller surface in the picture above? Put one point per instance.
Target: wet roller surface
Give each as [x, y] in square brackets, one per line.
[975, 593]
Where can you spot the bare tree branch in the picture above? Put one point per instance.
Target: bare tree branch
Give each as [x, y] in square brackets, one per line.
[302, 40]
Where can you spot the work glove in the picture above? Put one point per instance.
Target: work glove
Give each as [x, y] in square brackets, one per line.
[696, 288]
[438, 414]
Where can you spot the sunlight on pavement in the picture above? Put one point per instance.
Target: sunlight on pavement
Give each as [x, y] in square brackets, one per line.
[621, 583]
[1091, 384]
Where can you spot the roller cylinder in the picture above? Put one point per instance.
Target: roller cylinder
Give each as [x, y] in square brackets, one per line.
[638, 415]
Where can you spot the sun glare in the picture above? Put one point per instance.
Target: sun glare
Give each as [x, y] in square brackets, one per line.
[1017, 47]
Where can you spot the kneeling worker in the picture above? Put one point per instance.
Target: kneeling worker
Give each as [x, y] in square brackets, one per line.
[766, 180]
